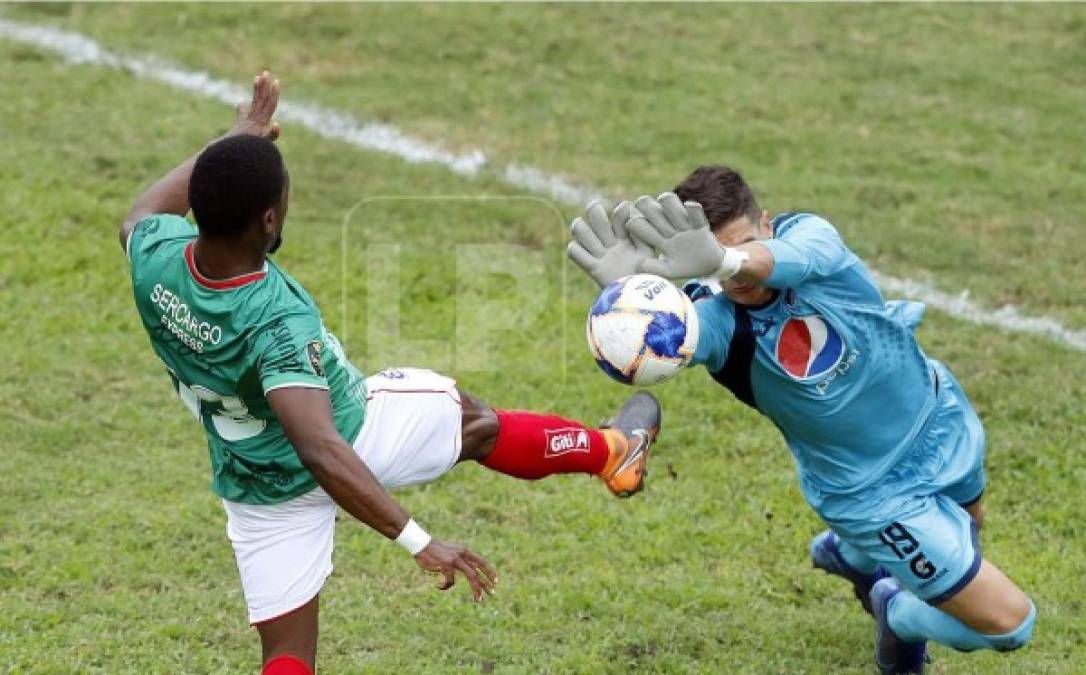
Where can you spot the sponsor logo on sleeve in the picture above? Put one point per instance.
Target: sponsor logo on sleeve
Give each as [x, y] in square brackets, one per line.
[565, 441]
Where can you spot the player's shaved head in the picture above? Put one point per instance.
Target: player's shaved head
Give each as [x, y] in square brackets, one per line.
[722, 193]
[235, 181]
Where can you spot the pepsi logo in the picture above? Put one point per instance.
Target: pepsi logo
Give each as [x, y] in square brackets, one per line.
[807, 347]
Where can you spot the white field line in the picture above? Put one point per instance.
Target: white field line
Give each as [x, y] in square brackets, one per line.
[961, 307]
[79, 49]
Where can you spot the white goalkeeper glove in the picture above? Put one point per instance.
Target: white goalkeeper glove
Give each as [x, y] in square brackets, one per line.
[680, 233]
[601, 245]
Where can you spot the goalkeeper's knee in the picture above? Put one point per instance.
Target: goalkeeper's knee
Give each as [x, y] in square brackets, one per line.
[1017, 638]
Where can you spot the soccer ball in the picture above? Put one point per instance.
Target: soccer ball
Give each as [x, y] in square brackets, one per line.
[642, 329]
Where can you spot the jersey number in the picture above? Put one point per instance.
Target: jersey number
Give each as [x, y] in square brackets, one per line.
[233, 423]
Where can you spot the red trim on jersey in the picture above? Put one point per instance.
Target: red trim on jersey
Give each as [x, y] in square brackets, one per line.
[220, 284]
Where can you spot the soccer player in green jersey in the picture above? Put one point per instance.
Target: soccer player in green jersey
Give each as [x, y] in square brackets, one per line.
[293, 428]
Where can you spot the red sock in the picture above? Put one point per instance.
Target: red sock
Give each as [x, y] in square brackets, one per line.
[532, 446]
[286, 664]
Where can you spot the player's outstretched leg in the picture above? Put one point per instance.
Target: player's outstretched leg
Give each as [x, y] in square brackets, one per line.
[990, 612]
[531, 445]
[833, 556]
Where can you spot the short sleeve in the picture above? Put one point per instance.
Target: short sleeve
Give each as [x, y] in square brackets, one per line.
[290, 351]
[716, 325]
[155, 229]
[805, 247]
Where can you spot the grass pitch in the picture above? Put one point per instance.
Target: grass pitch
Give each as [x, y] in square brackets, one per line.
[944, 141]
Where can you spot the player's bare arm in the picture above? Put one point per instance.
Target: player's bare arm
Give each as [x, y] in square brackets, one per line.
[306, 416]
[170, 194]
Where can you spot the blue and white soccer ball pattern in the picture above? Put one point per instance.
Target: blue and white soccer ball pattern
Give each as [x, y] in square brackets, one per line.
[642, 329]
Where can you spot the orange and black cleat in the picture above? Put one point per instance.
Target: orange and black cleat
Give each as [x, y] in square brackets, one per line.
[630, 434]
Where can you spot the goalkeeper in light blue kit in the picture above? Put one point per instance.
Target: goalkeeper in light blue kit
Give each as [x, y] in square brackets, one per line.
[889, 450]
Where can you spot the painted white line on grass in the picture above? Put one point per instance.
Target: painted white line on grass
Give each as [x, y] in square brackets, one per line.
[556, 187]
[961, 307]
[79, 49]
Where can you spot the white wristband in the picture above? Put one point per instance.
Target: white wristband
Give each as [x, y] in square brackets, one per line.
[731, 261]
[413, 537]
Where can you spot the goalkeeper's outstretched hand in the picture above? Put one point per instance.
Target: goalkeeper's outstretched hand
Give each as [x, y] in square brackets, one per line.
[602, 246]
[681, 234]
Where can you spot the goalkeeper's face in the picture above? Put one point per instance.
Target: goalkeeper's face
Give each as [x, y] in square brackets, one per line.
[744, 230]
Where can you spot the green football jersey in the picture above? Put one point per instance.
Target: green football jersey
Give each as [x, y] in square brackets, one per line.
[226, 344]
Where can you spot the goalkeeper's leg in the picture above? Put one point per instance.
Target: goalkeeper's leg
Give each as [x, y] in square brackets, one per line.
[839, 558]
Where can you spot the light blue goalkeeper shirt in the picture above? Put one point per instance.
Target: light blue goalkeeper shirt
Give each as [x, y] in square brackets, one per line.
[836, 368]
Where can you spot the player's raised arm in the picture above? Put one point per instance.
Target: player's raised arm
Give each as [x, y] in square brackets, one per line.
[306, 416]
[170, 194]
[805, 247]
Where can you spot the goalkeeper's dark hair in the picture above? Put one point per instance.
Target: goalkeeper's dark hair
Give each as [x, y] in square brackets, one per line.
[234, 182]
[722, 193]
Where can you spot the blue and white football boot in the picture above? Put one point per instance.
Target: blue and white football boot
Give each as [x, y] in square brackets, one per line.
[892, 654]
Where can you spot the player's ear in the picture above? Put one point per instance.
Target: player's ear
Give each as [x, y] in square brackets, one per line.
[269, 221]
[764, 222]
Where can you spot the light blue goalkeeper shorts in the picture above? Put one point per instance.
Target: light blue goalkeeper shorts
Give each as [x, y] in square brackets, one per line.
[913, 522]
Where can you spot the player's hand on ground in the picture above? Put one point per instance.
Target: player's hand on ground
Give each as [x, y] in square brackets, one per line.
[602, 246]
[680, 233]
[449, 559]
[255, 117]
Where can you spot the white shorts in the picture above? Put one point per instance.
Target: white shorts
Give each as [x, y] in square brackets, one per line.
[411, 435]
